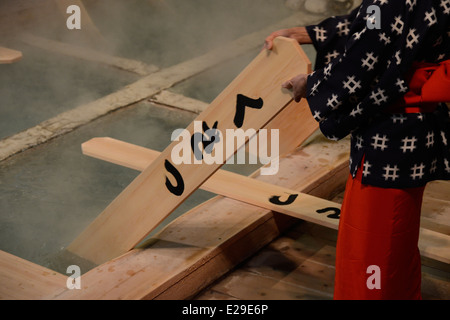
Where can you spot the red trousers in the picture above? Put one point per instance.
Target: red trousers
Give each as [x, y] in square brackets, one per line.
[377, 255]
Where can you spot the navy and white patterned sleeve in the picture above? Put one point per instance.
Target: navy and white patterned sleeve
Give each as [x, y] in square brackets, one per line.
[368, 74]
[329, 37]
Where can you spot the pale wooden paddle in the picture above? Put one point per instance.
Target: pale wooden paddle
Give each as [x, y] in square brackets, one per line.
[251, 100]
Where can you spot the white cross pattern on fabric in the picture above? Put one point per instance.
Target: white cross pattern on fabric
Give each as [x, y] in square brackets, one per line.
[359, 142]
[411, 4]
[445, 4]
[378, 97]
[343, 28]
[370, 61]
[317, 116]
[398, 58]
[431, 17]
[385, 38]
[327, 69]
[379, 142]
[366, 168]
[320, 34]
[433, 166]
[382, 2]
[333, 102]
[447, 166]
[356, 111]
[419, 116]
[417, 171]
[398, 25]
[444, 139]
[401, 84]
[398, 117]
[357, 35]
[333, 138]
[390, 173]
[314, 88]
[351, 84]
[409, 144]
[430, 139]
[331, 55]
[412, 38]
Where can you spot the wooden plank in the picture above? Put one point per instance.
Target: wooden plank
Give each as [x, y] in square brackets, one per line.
[287, 121]
[203, 244]
[23, 280]
[313, 270]
[140, 90]
[436, 215]
[295, 124]
[306, 259]
[432, 244]
[179, 101]
[9, 55]
[223, 182]
[139, 209]
[438, 190]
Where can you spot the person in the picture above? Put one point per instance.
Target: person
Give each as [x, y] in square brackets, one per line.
[381, 76]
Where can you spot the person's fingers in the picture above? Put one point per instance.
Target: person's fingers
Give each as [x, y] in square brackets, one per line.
[268, 43]
[287, 84]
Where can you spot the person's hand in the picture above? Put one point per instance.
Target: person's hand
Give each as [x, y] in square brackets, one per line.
[268, 43]
[298, 86]
[298, 33]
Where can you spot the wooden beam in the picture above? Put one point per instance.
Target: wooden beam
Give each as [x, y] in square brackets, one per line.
[224, 183]
[286, 122]
[140, 90]
[9, 55]
[139, 209]
[23, 280]
[257, 193]
[206, 242]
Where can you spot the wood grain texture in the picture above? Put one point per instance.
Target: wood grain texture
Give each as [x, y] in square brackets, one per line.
[23, 280]
[139, 208]
[432, 244]
[9, 55]
[206, 242]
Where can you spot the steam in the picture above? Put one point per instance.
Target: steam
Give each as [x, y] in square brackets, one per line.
[43, 84]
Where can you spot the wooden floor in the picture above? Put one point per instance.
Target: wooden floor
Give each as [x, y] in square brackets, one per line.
[300, 265]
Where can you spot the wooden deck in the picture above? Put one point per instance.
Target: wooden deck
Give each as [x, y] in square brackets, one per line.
[299, 265]
[223, 249]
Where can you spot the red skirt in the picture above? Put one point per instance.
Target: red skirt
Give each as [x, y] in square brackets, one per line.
[377, 255]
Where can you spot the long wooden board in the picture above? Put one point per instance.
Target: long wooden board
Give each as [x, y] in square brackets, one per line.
[9, 55]
[23, 280]
[154, 194]
[432, 244]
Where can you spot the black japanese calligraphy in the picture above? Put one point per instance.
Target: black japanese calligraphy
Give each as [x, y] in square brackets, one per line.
[242, 102]
[288, 201]
[178, 189]
[208, 139]
[335, 215]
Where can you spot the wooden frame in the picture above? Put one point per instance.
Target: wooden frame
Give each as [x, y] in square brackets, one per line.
[177, 263]
[9, 55]
[139, 209]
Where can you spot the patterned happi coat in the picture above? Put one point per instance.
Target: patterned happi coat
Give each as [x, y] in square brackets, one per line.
[360, 71]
